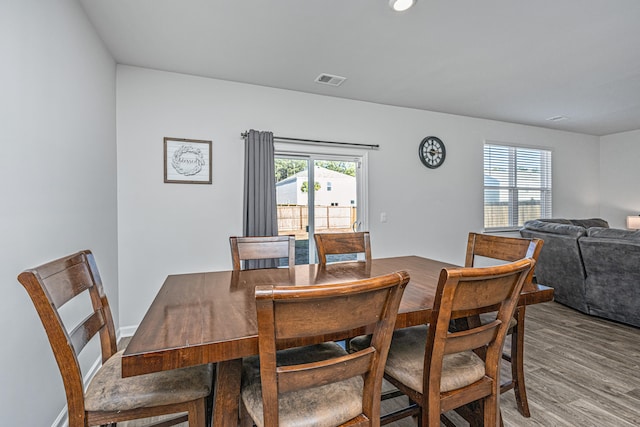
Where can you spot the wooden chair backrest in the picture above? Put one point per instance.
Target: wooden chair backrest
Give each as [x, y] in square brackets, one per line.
[463, 292]
[262, 248]
[289, 313]
[342, 243]
[50, 287]
[502, 248]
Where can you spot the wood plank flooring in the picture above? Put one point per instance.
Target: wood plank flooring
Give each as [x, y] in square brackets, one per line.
[580, 371]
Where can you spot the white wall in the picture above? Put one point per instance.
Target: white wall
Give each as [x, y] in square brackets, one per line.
[175, 228]
[620, 177]
[57, 182]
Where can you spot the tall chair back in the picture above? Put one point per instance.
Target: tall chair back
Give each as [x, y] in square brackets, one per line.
[109, 398]
[464, 292]
[449, 374]
[50, 287]
[284, 314]
[491, 248]
[342, 243]
[262, 252]
[501, 248]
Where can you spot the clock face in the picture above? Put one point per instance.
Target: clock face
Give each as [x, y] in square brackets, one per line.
[432, 152]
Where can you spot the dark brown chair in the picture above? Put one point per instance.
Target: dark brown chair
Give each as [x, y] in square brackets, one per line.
[109, 398]
[268, 248]
[491, 248]
[320, 385]
[439, 370]
[342, 243]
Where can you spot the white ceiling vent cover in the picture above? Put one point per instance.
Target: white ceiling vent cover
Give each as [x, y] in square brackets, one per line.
[329, 79]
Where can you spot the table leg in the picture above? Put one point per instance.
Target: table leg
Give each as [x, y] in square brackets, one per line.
[225, 410]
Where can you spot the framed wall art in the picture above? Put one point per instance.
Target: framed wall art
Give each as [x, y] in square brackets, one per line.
[187, 161]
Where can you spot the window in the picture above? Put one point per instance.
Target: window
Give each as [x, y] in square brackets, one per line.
[328, 186]
[517, 186]
[341, 211]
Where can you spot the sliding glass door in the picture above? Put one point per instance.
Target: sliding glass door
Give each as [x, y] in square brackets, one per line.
[331, 184]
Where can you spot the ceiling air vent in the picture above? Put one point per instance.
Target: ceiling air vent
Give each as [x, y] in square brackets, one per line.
[329, 79]
[556, 118]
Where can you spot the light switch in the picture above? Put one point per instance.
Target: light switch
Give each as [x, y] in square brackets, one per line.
[383, 217]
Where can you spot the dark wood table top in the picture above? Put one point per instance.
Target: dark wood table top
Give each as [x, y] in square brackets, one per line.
[210, 317]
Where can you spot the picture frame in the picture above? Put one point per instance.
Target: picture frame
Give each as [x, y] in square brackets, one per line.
[187, 161]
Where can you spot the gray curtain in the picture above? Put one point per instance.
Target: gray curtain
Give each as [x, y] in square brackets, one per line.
[260, 213]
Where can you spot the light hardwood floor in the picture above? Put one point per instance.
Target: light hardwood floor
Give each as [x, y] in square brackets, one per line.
[580, 371]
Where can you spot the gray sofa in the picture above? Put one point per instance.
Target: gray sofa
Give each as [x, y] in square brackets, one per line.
[592, 268]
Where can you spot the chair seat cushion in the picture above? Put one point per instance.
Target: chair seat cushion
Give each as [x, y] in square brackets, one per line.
[405, 361]
[108, 391]
[490, 317]
[323, 406]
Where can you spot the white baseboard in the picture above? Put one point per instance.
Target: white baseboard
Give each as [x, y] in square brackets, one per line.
[62, 418]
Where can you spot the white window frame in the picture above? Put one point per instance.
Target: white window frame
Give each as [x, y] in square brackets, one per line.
[319, 152]
[514, 187]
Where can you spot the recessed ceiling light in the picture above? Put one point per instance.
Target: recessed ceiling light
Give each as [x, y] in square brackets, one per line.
[556, 118]
[401, 5]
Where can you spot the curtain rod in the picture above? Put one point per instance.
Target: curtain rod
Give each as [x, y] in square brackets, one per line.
[317, 141]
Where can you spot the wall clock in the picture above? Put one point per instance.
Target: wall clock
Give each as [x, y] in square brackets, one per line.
[432, 152]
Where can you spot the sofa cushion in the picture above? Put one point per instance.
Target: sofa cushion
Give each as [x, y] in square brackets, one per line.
[555, 220]
[544, 226]
[591, 222]
[614, 233]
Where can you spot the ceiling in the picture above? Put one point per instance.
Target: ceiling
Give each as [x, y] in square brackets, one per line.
[508, 60]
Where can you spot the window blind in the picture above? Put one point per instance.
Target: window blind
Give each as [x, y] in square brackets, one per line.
[517, 186]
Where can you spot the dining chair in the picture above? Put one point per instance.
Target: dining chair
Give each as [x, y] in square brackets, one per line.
[108, 398]
[487, 248]
[439, 370]
[262, 252]
[342, 243]
[320, 384]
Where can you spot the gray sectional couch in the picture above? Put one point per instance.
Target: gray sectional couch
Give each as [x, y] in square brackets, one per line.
[592, 268]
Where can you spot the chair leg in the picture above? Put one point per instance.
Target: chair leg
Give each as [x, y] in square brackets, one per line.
[517, 364]
[210, 398]
[490, 410]
[429, 415]
[198, 413]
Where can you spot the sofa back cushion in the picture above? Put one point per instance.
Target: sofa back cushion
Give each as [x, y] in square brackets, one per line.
[614, 233]
[561, 228]
[555, 220]
[591, 222]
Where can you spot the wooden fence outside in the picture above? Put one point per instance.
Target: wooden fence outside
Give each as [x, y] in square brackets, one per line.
[497, 214]
[294, 219]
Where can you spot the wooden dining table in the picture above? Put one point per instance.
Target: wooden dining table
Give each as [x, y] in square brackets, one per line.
[210, 317]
